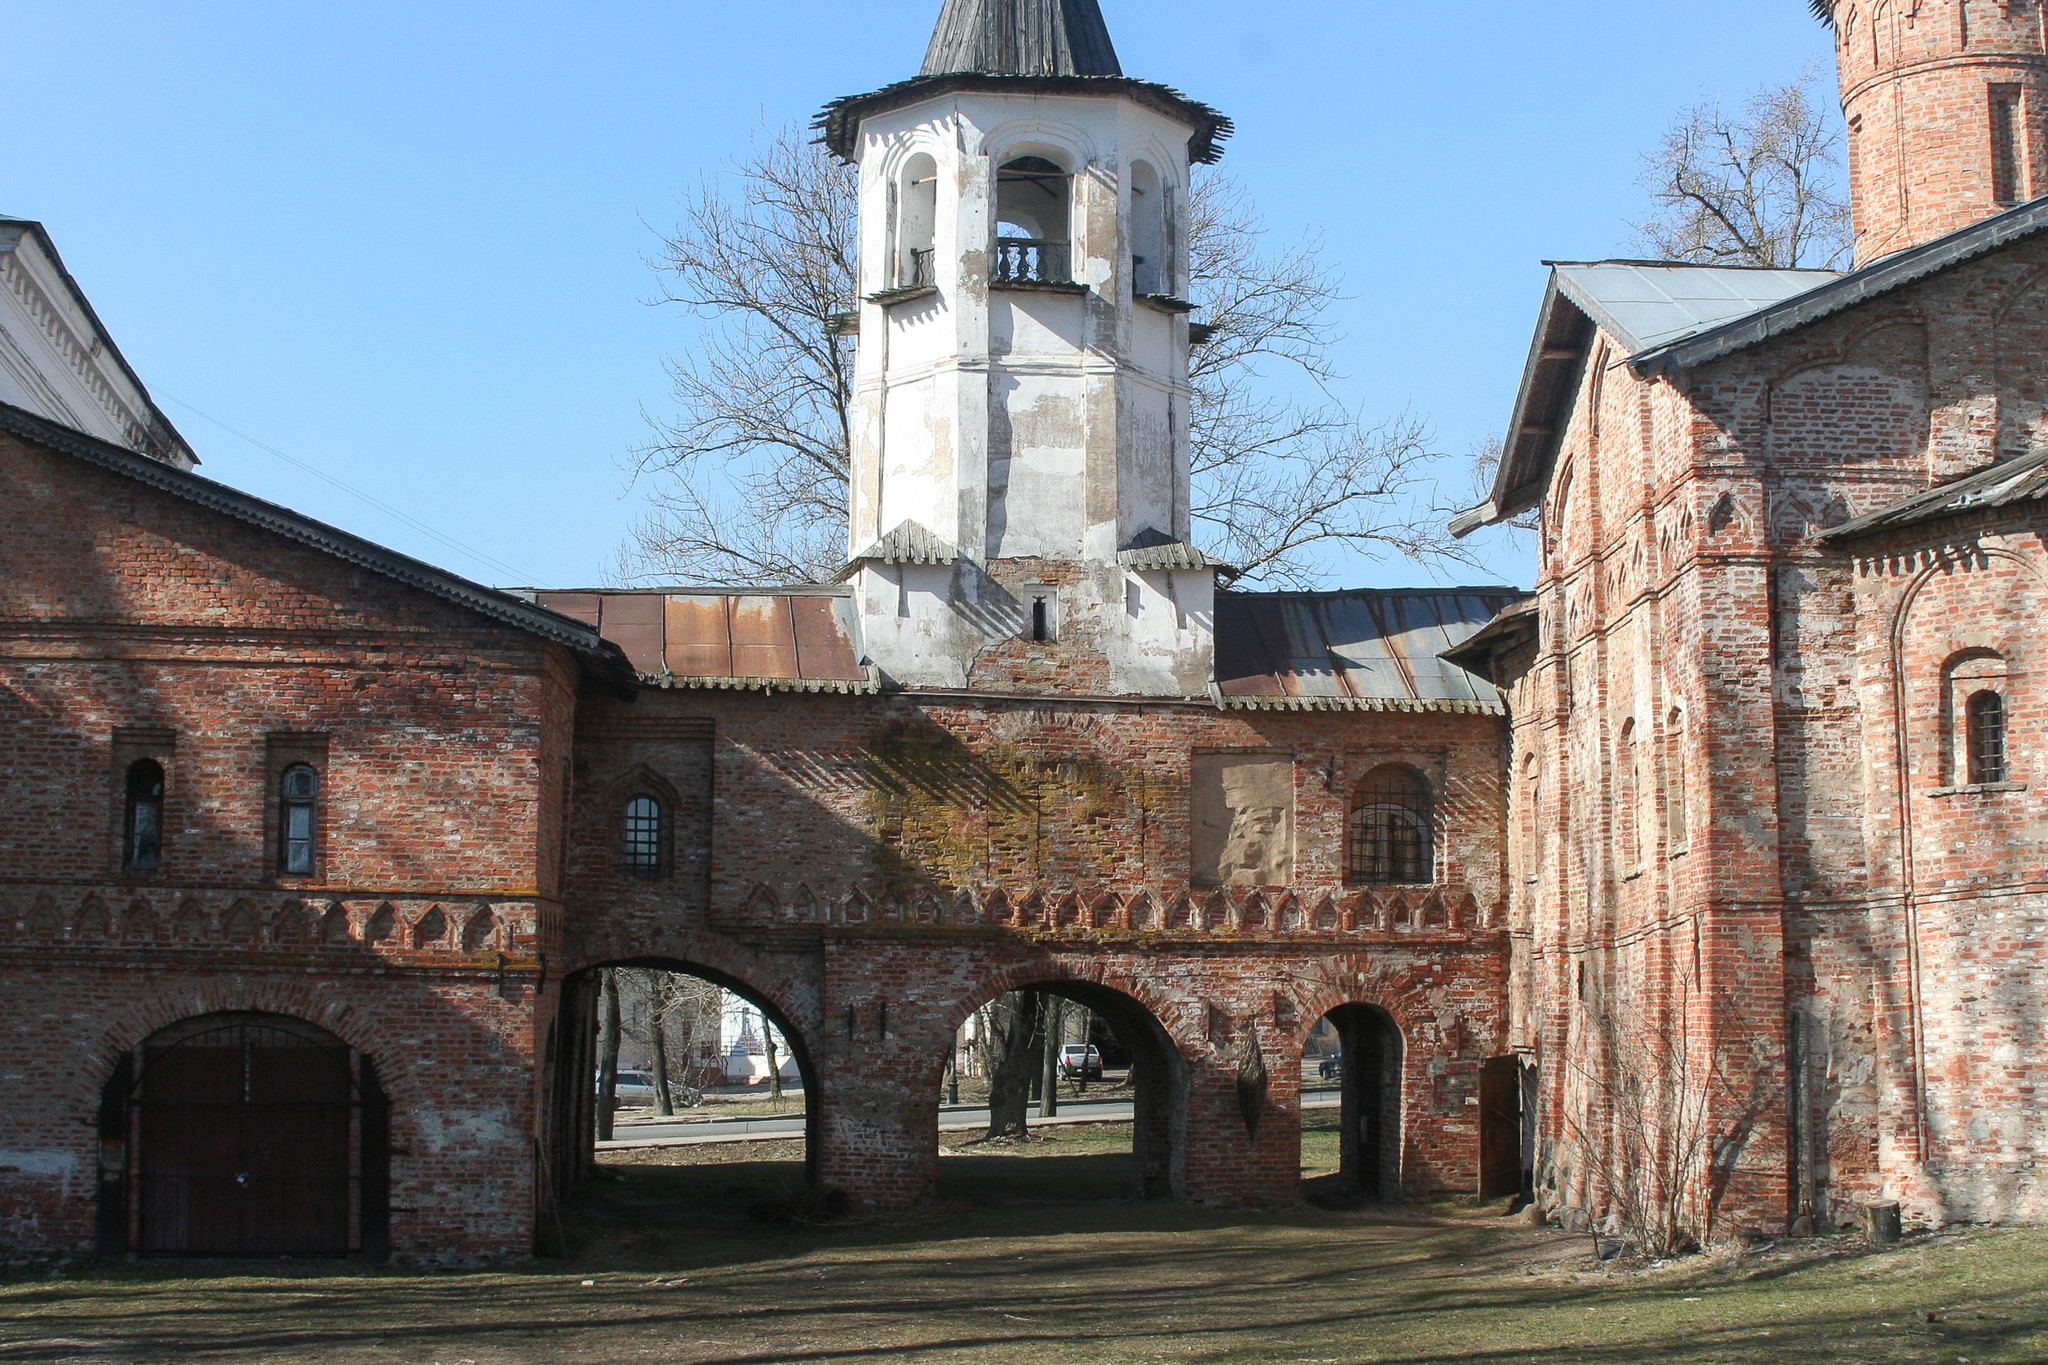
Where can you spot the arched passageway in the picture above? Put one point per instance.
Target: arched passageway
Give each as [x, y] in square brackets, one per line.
[244, 1134]
[1356, 1052]
[1058, 1031]
[738, 1079]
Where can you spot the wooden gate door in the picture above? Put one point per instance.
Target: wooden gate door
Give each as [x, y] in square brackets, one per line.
[1500, 1127]
[243, 1138]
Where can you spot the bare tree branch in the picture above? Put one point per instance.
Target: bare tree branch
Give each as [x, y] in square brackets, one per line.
[1764, 188]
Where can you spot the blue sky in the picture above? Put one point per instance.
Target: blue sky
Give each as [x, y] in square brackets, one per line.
[405, 243]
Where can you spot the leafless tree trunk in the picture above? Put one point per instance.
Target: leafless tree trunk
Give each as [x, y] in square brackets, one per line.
[774, 1062]
[657, 1040]
[748, 484]
[1053, 1010]
[1761, 188]
[1014, 1030]
[607, 1052]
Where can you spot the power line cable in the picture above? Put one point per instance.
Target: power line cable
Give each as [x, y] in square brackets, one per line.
[512, 574]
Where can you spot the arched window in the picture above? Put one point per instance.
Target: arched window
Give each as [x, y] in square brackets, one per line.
[1985, 715]
[642, 849]
[142, 826]
[298, 826]
[1392, 841]
[1627, 796]
[917, 224]
[1033, 203]
[1149, 273]
[1674, 780]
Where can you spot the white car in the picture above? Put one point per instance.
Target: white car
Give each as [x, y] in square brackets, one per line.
[635, 1089]
[1080, 1062]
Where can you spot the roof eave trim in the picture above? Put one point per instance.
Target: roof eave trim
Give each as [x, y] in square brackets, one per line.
[838, 124]
[282, 521]
[1520, 483]
[1413, 705]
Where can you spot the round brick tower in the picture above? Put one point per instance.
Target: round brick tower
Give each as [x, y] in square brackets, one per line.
[1945, 103]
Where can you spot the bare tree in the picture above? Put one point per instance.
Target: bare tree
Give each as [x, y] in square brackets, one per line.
[607, 1052]
[1763, 188]
[1010, 1036]
[774, 1061]
[747, 485]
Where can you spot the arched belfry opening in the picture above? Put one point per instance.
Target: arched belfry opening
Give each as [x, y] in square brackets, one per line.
[1034, 232]
[1351, 1115]
[245, 1134]
[1110, 1069]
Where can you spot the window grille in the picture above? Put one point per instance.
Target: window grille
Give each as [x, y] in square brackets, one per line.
[1986, 737]
[1390, 833]
[142, 827]
[297, 825]
[643, 837]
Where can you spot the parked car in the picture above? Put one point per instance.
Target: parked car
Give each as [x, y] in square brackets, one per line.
[635, 1090]
[1332, 1068]
[1080, 1062]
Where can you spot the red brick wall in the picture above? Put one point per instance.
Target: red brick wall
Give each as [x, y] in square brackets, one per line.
[1916, 91]
[420, 935]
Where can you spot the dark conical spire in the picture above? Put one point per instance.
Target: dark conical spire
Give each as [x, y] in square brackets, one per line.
[1022, 38]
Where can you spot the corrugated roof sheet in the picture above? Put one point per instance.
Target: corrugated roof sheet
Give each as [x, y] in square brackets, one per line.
[1022, 38]
[1361, 650]
[2021, 480]
[1644, 304]
[742, 638]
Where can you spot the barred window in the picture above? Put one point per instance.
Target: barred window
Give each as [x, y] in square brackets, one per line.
[643, 837]
[1392, 842]
[142, 830]
[1986, 716]
[298, 827]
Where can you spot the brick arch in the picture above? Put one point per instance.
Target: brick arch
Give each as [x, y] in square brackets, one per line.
[1053, 970]
[1357, 979]
[360, 1027]
[798, 1011]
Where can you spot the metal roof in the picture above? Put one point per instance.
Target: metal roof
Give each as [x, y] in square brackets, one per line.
[2021, 480]
[1641, 304]
[503, 607]
[1363, 650]
[1841, 292]
[1022, 38]
[1151, 551]
[798, 640]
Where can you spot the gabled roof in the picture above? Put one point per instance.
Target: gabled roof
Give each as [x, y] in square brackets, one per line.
[2022, 480]
[501, 607]
[1641, 304]
[1022, 38]
[910, 543]
[1362, 650]
[94, 361]
[1152, 551]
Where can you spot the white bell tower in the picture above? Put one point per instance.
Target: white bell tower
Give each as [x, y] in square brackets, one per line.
[1019, 502]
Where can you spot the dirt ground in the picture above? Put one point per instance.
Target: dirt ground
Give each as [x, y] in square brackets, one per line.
[1035, 1254]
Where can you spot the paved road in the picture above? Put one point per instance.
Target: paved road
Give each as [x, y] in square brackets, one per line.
[685, 1130]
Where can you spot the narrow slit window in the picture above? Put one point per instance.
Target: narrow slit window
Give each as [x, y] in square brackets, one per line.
[1674, 782]
[2007, 164]
[1044, 624]
[1986, 716]
[298, 822]
[143, 825]
[643, 837]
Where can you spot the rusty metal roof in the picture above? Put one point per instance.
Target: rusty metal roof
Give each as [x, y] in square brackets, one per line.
[799, 641]
[2021, 480]
[1364, 650]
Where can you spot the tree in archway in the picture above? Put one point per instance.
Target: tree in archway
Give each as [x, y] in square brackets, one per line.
[1011, 1035]
[607, 1052]
[774, 1060]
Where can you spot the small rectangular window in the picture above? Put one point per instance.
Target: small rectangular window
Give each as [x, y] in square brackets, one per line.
[2007, 161]
[1041, 613]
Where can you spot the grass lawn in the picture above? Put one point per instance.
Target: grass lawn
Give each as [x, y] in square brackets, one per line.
[684, 1262]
